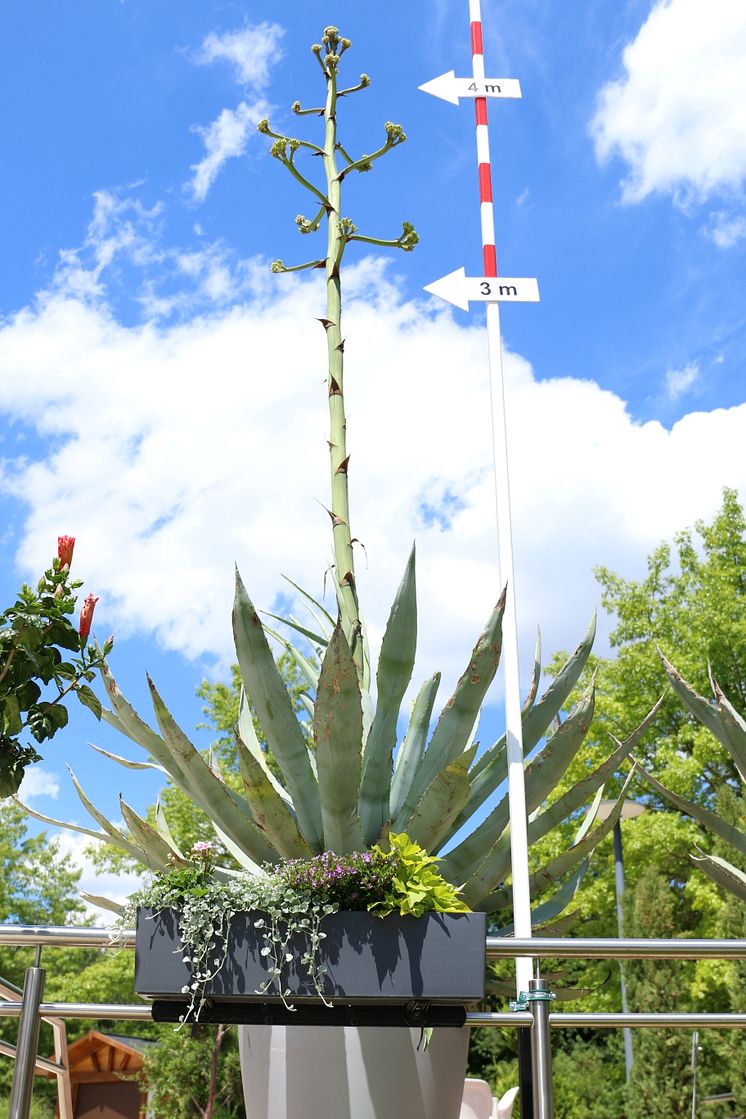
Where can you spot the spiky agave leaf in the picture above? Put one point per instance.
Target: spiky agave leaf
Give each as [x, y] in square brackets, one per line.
[412, 749]
[268, 809]
[337, 732]
[395, 665]
[274, 709]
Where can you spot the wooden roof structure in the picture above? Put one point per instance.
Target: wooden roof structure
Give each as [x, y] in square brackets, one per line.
[102, 1059]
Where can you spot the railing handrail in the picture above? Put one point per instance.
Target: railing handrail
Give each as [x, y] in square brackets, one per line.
[599, 948]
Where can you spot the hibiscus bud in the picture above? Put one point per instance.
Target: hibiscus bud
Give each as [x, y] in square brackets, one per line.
[86, 616]
[65, 545]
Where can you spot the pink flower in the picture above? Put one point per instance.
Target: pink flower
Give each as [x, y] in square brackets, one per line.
[65, 545]
[198, 848]
[86, 615]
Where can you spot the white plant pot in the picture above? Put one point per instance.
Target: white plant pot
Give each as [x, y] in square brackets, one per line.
[348, 1072]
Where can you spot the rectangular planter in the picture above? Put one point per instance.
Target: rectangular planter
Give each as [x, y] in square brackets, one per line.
[439, 957]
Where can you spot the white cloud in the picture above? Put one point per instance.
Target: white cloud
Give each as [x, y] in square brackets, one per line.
[679, 381]
[252, 51]
[224, 139]
[172, 450]
[677, 117]
[39, 782]
[726, 229]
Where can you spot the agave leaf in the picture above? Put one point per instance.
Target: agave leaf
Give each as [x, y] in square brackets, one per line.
[315, 638]
[478, 890]
[535, 676]
[159, 853]
[307, 669]
[728, 733]
[554, 905]
[102, 903]
[238, 853]
[562, 994]
[337, 732]
[353, 631]
[126, 720]
[443, 800]
[208, 791]
[590, 816]
[561, 926]
[102, 836]
[733, 728]
[274, 709]
[722, 873]
[413, 747]
[583, 789]
[307, 703]
[541, 714]
[490, 770]
[457, 718]
[542, 775]
[247, 733]
[127, 762]
[164, 830]
[269, 810]
[703, 816]
[314, 605]
[114, 836]
[395, 665]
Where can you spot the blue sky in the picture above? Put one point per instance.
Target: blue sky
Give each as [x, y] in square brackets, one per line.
[160, 390]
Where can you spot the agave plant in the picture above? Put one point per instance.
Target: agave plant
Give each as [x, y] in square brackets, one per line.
[720, 717]
[361, 778]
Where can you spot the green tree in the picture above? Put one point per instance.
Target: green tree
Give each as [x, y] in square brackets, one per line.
[37, 887]
[661, 1083]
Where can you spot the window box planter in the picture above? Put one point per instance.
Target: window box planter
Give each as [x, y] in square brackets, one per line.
[437, 958]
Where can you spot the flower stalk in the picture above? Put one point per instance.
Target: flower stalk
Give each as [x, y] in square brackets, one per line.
[339, 233]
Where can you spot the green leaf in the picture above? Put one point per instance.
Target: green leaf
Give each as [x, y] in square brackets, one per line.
[127, 762]
[733, 728]
[337, 732]
[722, 873]
[112, 834]
[208, 791]
[552, 908]
[412, 748]
[11, 715]
[395, 665]
[535, 721]
[103, 903]
[274, 709]
[542, 776]
[89, 699]
[159, 853]
[441, 803]
[269, 810]
[456, 722]
[703, 816]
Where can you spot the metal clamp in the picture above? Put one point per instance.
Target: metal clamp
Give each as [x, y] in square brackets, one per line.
[525, 998]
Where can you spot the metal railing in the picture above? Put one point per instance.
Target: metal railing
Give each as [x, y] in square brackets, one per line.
[31, 1010]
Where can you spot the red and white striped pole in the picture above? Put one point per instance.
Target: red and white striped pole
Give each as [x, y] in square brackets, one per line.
[513, 725]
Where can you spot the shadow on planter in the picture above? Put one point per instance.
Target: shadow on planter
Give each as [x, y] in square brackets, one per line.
[439, 957]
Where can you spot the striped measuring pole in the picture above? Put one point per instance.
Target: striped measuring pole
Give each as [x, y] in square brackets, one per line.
[459, 289]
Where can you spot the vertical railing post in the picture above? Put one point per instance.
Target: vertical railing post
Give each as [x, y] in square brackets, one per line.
[24, 1070]
[541, 1049]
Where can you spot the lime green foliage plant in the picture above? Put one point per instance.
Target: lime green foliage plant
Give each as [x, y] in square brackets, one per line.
[37, 639]
[360, 779]
[416, 887]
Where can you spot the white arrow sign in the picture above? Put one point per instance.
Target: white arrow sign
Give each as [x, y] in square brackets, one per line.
[459, 289]
[450, 88]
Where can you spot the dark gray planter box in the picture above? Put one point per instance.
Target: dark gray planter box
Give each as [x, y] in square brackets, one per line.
[439, 957]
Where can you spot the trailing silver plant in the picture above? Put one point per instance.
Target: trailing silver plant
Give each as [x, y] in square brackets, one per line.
[720, 717]
[361, 779]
